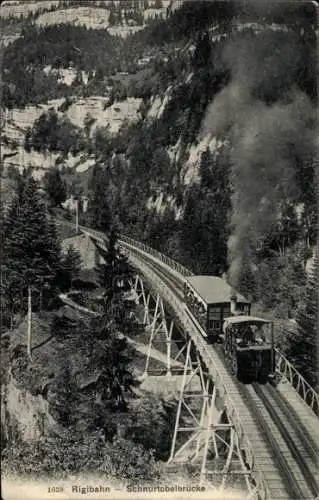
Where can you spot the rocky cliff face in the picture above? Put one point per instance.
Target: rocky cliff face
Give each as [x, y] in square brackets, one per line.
[211, 94]
[23, 415]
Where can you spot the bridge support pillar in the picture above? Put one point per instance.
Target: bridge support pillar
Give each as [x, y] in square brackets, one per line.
[158, 327]
[204, 436]
[156, 320]
[193, 404]
[143, 298]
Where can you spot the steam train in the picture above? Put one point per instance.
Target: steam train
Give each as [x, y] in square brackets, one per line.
[223, 316]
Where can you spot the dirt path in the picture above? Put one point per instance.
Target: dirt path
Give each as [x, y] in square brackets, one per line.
[142, 348]
[154, 353]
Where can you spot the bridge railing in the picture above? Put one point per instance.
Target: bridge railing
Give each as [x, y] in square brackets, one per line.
[158, 255]
[173, 264]
[284, 367]
[260, 489]
[301, 386]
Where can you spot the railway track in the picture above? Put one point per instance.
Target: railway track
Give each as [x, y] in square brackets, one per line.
[283, 441]
[293, 449]
[287, 454]
[301, 450]
[165, 275]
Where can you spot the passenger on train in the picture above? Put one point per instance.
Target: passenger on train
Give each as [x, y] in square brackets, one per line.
[248, 336]
[260, 335]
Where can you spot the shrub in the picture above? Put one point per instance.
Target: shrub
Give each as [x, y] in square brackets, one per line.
[59, 457]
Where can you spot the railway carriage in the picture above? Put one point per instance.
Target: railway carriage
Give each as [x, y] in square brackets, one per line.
[248, 342]
[210, 299]
[224, 316]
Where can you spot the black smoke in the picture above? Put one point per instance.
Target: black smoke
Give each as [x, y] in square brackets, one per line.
[270, 120]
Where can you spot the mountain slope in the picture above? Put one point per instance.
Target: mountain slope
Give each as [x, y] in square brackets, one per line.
[218, 168]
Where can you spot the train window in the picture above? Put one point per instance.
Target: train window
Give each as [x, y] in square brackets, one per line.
[214, 313]
[215, 325]
[226, 311]
[262, 333]
[251, 334]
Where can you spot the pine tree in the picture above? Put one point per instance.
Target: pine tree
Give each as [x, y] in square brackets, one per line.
[302, 347]
[31, 253]
[114, 271]
[113, 15]
[64, 405]
[204, 231]
[44, 131]
[203, 51]
[109, 353]
[205, 170]
[78, 78]
[70, 269]
[245, 279]
[98, 208]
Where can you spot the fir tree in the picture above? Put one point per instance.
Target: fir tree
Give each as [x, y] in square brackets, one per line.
[69, 269]
[99, 209]
[205, 170]
[302, 347]
[31, 253]
[114, 272]
[204, 231]
[78, 79]
[203, 51]
[64, 405]
[114, 275]
[109, 353]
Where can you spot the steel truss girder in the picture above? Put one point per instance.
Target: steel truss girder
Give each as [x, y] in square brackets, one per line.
[211, 439]
[257, 488]
[157, 321]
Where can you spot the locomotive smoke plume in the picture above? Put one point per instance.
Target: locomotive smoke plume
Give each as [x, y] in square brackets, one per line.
[266, 138]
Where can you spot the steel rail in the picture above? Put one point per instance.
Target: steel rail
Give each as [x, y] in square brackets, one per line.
[295, 379]
[283, 366]
[259, 490]
[137, 244]
[202, 347]
[308, 447]
[290, 481]
[270, 401]
[145, 253]
[267, 431]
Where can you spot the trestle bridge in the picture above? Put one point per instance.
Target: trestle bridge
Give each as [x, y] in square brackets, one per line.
[265, 438]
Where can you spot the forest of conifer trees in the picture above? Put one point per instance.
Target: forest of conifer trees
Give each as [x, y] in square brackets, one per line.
[217, 170]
